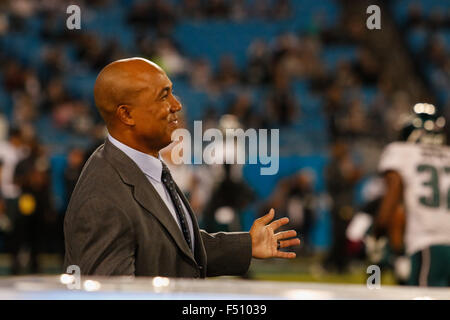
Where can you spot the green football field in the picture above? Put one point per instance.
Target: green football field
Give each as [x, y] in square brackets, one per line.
[310, 270]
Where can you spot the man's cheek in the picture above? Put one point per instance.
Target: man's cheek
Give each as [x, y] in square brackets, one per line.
[164, 112]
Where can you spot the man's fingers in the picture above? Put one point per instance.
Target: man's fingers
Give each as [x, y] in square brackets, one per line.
[286, 255]
[278, 223]
[267, 218]
[285, 234]
[289, 243]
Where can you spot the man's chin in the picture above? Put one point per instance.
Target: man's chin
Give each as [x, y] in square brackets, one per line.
[171, 129]
[167, 140]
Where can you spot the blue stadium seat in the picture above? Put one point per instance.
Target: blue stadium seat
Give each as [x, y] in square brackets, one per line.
[81, 85]
[417, 39]
[444, 36]
[400, 8]
[110, 24]
[368, 95]
[332, 55]
[24, 47]
[265, 184]
[58, 162]
[310, 105]
[5, 101]
[259, 94]
[212, 39]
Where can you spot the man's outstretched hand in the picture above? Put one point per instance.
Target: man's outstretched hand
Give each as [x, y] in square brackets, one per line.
[265, 240]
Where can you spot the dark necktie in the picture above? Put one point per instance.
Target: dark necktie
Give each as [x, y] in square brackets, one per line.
[166, 178]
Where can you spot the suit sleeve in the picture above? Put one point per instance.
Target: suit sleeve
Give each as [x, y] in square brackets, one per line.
[99, 239]
[228, 253]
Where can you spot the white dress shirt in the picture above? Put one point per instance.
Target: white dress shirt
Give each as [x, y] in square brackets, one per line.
[152, 168]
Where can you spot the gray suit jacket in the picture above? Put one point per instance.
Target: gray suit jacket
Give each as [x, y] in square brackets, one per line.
[117, 224]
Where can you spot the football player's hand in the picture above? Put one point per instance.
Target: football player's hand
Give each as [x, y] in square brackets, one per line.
[266, 243]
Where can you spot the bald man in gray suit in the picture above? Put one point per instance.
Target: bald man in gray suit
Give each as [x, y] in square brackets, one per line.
[127, 216]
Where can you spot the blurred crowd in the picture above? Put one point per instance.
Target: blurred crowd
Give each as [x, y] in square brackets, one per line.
[36, 97]
[430, 43]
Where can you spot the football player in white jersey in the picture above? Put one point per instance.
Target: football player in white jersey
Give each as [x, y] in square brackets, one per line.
[417, 174]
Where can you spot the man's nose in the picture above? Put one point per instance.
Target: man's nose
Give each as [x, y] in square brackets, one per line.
[175, 105]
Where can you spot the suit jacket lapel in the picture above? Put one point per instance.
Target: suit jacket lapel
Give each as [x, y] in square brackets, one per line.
[146, 195]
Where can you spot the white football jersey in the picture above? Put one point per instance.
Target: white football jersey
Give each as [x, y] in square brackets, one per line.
[425, 172]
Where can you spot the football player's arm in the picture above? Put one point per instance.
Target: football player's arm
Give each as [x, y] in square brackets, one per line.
[397, 229]
[390, 202]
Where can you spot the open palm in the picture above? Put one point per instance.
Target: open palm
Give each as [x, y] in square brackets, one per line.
[265, 240]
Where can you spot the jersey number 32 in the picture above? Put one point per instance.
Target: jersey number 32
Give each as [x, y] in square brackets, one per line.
[434, 198]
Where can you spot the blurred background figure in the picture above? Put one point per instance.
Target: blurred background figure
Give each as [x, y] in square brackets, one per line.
[5, 223]
[75, 161]
[231, 194]
[295, 198]
[34, 220]
[12, 152]
[341, 176]
[223, 211]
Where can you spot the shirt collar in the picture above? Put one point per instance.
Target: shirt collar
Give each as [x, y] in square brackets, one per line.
[150, 165]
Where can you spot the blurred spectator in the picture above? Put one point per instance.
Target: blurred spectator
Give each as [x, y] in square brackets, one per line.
[54, 62]
[282, 9]
[201, 75]
[227, 73]
[192, 9]
[281, 104]
[341, 177]
[75, 161]
[4, 127]
[168, 57]
[14, 77]
[54, 95]
[367, 68]
[438, 19]
[238, 11]
[89, 51]
[258, 69]
[34, 220]
[334, 109]
[11, 152]
[243, 108]
[294, 197]
[436, 51]
[217, 9]
[261, 9]
[24, 109]
[345, 77]
[310, 64]
[355, 124]
[5, 223]
[227, 202]
[286, 57]
[415, 16]
[157, 14]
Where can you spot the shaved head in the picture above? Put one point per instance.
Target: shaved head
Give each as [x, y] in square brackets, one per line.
[121, 81]
[134, 97]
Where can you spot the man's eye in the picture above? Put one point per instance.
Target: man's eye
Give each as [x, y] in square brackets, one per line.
[164, 97]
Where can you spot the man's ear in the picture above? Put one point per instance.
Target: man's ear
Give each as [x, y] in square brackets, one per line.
[124, 115]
